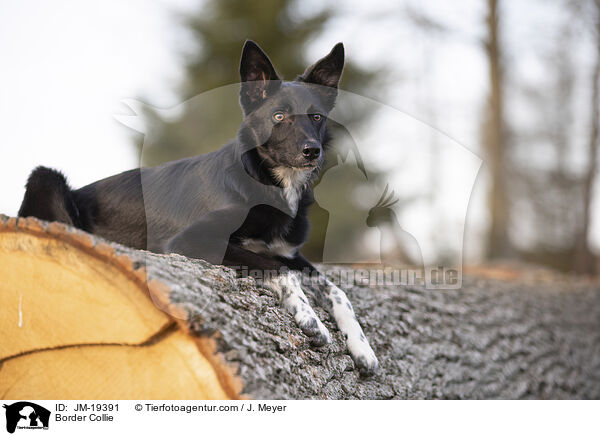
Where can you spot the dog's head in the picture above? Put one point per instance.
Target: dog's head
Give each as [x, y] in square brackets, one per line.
[286, 121]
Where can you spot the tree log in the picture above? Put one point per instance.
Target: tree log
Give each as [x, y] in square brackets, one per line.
[212, 335]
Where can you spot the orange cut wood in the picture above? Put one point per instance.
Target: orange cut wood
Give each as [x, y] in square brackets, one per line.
[53, 294]
[78, 322]
[172, 368]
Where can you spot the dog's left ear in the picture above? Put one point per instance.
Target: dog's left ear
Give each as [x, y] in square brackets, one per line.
[327, 71]
[259, 78]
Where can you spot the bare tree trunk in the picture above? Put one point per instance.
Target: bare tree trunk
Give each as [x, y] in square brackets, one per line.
[494, 138]
[584, 259]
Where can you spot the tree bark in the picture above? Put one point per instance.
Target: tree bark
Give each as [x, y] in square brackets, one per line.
[530, 335]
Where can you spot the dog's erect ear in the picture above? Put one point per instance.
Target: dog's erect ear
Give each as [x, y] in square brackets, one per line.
[259, 78]
[327, 71]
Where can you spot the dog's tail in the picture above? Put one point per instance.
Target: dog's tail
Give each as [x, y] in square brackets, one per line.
[49, 197]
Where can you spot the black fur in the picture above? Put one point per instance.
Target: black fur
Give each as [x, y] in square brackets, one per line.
[203, 206]
[244, 205]
[48, 196]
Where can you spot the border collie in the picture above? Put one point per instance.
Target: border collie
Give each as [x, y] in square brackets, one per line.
[244, 205]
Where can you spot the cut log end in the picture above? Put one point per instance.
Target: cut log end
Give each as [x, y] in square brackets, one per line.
[78, 322]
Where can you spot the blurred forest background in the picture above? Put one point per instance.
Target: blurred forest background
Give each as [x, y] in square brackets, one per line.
[515, 83]
[538, 125]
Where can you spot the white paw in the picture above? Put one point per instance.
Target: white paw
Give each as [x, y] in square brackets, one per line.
[289, 290]
[362, 354]
[358, 346]
[312, 326]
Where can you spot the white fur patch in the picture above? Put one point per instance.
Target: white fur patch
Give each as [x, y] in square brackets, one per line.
[287, 287]
[344, 316]
[294, 181]
[277, 247]
[289, 291]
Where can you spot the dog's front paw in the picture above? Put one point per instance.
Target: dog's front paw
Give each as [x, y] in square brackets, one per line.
[364, 358]
[313, 328]
[289, 290]
[367, 365]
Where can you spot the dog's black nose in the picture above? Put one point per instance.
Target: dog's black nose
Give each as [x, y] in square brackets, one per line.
[311, 150]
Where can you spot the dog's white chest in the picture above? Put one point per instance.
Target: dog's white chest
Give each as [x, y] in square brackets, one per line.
[293, 181]
[277, 247]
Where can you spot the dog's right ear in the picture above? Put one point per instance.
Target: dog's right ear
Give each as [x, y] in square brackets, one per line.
[259, 78]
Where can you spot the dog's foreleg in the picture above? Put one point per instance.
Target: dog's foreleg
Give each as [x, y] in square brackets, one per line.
[345, 318]
[287, 286]
[340, 308]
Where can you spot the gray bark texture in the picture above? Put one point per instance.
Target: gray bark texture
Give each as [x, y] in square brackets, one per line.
[532, 338]
[534, 334]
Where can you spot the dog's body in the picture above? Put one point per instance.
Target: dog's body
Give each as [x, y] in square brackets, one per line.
[244, 205]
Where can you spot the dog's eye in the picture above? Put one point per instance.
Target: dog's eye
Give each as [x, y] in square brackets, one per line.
[278, 116]
[316, 117]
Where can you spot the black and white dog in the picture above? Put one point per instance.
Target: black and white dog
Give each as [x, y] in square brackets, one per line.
[244, 205]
